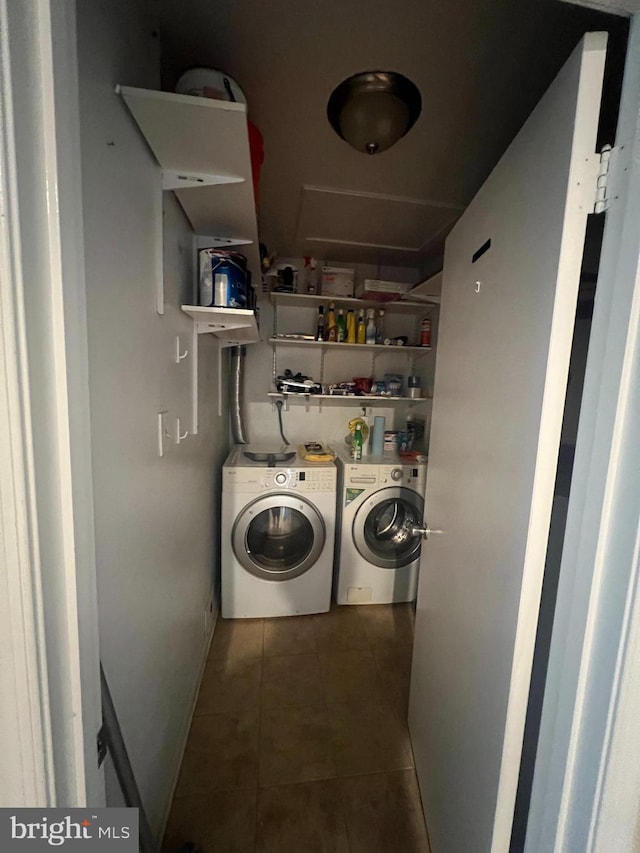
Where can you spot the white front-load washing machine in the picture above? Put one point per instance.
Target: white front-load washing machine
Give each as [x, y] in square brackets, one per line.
[278, 532]
[378, 553]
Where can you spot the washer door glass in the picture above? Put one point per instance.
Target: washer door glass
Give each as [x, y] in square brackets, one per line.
[382, 528]
[278, 537]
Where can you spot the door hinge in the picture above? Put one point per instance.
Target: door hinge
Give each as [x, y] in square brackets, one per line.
[101, 744]
[611, 172]
[598, 180]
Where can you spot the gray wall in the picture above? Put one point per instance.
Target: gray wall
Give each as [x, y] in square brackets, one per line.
[156, 518]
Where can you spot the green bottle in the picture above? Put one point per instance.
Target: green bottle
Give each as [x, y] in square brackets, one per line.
[357, 443]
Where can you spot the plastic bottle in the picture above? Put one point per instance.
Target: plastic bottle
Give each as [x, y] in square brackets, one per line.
[341, 327]
[361, 333]
[357, 443]
[310, 274]
[371, 327]
[380, 327]
[330, 329]
[320, 327]
[351, 327]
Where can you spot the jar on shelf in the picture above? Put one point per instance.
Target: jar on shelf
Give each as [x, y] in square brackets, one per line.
[425, 333]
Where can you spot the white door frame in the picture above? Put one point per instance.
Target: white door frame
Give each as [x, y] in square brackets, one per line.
[586, 784]
[50, 689]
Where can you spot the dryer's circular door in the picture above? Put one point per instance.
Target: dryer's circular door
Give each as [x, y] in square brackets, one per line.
[382, 528]
[278, 537]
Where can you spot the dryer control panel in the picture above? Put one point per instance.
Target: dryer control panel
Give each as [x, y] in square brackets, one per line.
[321, 479]
[300, 480]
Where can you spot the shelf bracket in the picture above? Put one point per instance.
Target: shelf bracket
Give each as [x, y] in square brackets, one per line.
[180, 180]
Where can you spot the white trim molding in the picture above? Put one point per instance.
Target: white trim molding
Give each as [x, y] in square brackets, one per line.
[51, 654]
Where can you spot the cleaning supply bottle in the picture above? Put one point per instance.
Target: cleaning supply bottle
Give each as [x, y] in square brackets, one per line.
[330, 329]
[351, 327]
[357, 443]
[380, 327]
[371, 327]
[320, 326]
[361, 333]
[341, 327]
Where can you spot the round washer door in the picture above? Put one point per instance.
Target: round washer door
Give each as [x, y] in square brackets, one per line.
[382, 528]
[278, 537]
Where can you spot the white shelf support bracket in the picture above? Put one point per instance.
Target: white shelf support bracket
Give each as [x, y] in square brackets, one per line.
[159, 253]
[194, 380]
[220, 357]
[162, 432]
[180, 180]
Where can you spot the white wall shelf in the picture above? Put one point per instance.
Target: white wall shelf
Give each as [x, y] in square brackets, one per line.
[306, 300]
[349, 399]
[230, 325]
[378, 349]
[202, 147]
[427, 291]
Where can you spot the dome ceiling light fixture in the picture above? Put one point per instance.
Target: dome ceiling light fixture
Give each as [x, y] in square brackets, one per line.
[372, 110]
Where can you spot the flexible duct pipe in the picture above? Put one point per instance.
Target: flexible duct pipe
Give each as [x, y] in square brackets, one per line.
[236, 392]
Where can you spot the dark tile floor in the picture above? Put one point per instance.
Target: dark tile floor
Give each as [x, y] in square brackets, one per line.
[299, 742]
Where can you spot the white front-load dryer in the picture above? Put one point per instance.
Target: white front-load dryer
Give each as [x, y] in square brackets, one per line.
[378, 553]
[278, 532]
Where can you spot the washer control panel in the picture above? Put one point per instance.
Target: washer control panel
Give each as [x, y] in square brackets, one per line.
[413, 475]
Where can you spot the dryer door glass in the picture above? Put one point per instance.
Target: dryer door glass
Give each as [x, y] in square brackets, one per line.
[383, 528]
[278, 537]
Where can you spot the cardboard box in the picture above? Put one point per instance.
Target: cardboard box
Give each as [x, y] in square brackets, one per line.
[337, 281]
[385, 291]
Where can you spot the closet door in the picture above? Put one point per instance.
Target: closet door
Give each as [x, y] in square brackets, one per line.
[511, 273]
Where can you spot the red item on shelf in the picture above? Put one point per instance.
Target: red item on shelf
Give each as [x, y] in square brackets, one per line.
[256, 150]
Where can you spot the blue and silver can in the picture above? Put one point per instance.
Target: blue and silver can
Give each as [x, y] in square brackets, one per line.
[223, 278]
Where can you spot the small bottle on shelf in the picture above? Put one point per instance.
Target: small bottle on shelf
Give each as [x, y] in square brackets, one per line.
[320, 326]
[341, 327]
[351, 326]
[330, 329]
[380, 327]
[370, 335]
[361, 333]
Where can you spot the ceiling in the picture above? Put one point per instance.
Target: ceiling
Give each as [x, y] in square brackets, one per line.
[480, 65]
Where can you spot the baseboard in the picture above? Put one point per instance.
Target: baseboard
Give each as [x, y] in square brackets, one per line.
[187, 728]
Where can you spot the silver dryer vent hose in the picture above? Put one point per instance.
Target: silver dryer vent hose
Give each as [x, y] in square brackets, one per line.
[236, 393]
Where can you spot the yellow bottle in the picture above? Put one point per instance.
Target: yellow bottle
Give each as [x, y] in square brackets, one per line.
[331, 329]
[361, 333]
[351, 327]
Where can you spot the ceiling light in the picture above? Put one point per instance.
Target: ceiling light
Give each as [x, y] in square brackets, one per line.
[374, 109]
